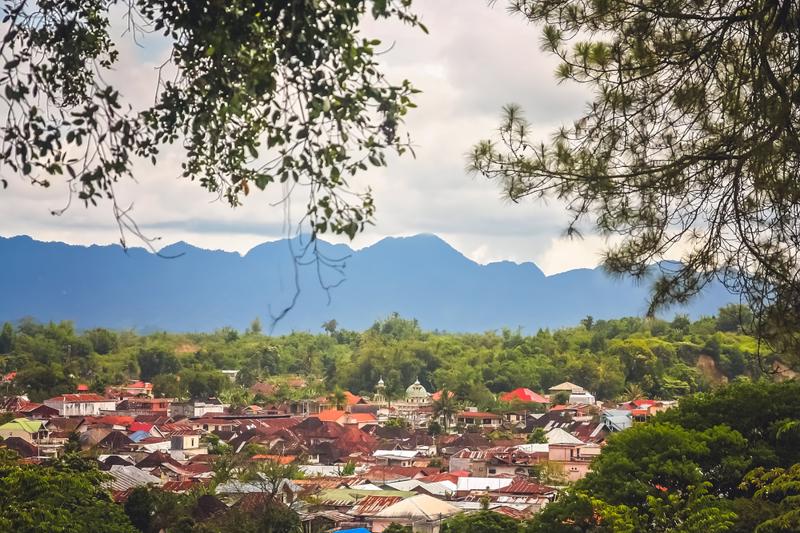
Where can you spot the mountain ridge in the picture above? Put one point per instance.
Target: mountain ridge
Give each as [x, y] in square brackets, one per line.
[419, 276]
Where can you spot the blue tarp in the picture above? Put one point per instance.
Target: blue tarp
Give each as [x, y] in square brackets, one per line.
[356, 530]
[138, 435]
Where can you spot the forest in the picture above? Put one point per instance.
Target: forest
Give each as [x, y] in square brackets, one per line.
[612, 358]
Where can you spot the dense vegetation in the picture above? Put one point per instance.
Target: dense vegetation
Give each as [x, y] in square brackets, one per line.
[722, 461]
[612, 358]
[67, 495]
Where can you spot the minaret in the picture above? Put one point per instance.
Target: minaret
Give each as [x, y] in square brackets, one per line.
[380, 392]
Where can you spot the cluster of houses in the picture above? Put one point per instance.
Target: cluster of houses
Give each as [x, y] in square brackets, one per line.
[367, 462]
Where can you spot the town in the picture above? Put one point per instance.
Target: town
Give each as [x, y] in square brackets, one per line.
[364, 462]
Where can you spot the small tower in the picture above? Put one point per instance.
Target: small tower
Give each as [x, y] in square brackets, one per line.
[380, 392]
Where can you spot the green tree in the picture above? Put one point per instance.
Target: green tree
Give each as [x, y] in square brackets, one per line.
[689, 147]
[140, 508]
[481, 522]
[330, 326]
[778, 492]
[153, 361]
[445, 407]
[7, 338]
[103, 341]
[67, 496]
[394, 527]
[263, 93]
[255, 326]
[337, 398]
[537, 436]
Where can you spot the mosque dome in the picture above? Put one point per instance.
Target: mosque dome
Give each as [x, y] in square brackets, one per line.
[416, 393]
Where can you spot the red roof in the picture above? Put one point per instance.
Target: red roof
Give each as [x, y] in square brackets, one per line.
[139, 385]
[351, 398]
[523, 486]
[372, 505]
[83, 387]
[10, 376]
[114, 420]
[511, 512]
[436, 396]
[523, 395]
[444, 476]
[280, 459]
[140, 426]
[79, 398]
[330, 415]
[362, 417]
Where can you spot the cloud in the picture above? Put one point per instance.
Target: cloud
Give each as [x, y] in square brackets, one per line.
[475, 59]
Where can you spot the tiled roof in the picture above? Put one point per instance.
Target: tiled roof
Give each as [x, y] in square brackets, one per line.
[330, 415]
[79, 398]
[351, 398]
[113, 420]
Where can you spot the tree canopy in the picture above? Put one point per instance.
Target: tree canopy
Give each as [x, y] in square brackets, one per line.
[690, 146]
[255, 93]
[698, 467]
[68, 495]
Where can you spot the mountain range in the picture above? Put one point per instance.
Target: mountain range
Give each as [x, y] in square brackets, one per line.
[186, 288]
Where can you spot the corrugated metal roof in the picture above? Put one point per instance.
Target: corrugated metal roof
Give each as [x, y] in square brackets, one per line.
[128, 477]
[371, 505]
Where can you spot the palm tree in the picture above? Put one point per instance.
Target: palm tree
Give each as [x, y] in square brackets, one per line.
[445, 407]
[633, 392]
[337, 397]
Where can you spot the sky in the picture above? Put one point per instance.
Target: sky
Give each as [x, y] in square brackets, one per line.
[476, 59]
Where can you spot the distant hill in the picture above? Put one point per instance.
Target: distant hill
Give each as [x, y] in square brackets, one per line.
[421, 277]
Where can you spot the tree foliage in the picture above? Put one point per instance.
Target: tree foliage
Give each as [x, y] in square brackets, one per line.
[690, 146]
[66, 496]
[698, 467]
[481, 522]
[255, 93]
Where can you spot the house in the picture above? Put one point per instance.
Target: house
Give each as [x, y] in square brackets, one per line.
[135, 406]
[196, 408]
[575, 459]
[87, 404]
[423, 512]
[479, 418]
[641, 410]
[188, 443]
[577, 394]
[395, 457]
[523, 395]
[28, 430]
[480, 485]
[132, 388]
[498, 461]
[617, 419]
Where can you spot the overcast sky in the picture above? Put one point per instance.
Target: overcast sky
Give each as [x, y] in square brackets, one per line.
[475, 59]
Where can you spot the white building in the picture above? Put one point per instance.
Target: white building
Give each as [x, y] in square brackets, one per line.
[195, 408]
[81, 404]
